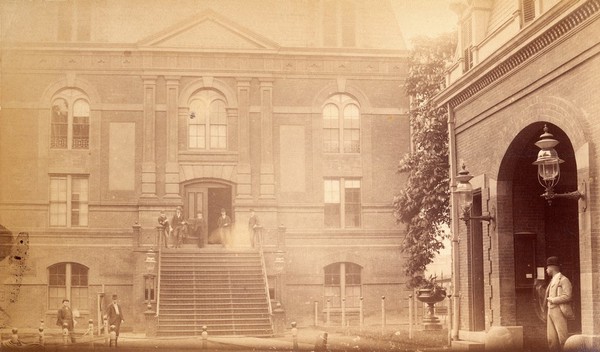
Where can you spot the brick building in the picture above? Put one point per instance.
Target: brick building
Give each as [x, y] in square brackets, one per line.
[112, 111]
[521, 65]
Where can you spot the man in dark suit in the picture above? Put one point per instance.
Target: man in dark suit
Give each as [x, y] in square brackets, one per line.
[114, 315]
[64, 318]
[179, 226]
[198, 229]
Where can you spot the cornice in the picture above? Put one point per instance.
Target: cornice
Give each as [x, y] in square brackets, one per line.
[29, 61]
[485, 75]
[82, 48]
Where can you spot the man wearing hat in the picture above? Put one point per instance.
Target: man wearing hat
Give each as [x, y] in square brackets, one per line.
[114, 315]
[64, 318]
[558, 296]
[179, 227]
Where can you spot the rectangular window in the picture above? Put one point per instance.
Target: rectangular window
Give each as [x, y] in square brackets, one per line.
[58, 201]
[218, 136]
[68, 201]
[352, 203]
[342, 202]
[332, 203]
[197, 136]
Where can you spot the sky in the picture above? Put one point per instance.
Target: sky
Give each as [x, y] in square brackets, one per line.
[424, 17]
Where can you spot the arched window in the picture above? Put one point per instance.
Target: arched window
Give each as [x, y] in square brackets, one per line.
[207, 127]
[343, 280]
[70, 281]
[70, 122]
[341, 130]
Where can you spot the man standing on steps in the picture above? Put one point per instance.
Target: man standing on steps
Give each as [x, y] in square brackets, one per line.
[224, 225]
[252, 225]
[179, 227]
[198, 229]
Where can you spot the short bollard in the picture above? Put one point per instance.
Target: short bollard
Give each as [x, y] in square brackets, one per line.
[204, 337]
[14, 338]
[294, 337]
[105, 330]
[328, 316]
[321, 343]
[382, 314]
[65, 333]
[41, 334]
[113, 336]
[90, 331]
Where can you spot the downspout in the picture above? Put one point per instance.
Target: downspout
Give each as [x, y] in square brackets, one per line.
[454, 221]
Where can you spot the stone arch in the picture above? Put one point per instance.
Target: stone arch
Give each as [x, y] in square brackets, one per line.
[340, 88]
[77, 83]
[187, 91]
[226, 173]
[560, 112]
[554, 110]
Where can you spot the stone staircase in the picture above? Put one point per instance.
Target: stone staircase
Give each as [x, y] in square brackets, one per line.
[221, 288]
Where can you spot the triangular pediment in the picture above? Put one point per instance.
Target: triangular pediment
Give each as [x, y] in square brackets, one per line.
[208, 30]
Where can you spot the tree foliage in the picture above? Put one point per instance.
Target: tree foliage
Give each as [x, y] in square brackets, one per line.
[423, 205]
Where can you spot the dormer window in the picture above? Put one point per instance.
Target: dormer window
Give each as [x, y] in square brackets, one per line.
[527, 11]
[467, 44]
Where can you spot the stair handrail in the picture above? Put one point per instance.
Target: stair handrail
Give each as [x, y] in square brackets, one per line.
[161, 234]
[264, 266]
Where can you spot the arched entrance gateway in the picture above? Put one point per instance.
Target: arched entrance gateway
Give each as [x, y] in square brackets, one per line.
[538, 228]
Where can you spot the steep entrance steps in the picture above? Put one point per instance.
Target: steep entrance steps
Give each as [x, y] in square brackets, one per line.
[221, 288]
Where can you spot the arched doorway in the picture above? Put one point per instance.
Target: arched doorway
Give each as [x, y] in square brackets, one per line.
[539, 229]
[208, 197]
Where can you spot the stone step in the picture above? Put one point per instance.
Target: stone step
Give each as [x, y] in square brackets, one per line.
[462, 345]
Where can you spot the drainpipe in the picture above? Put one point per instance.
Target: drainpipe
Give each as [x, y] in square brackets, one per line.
[454, 219]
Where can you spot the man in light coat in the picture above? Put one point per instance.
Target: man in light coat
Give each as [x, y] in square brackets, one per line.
[558, 293]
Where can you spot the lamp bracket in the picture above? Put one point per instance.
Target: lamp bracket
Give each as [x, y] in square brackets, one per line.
[489, 216]
[549, 195]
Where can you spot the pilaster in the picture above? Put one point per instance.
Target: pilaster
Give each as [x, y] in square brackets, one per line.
[267, 174]
[244, 186]
[149, 151]
[172, 166]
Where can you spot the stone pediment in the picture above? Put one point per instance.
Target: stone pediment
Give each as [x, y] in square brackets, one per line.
[208, 30]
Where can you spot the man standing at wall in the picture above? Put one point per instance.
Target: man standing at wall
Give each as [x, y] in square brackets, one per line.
[558, 296]
[64, 318]
[114, 315]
